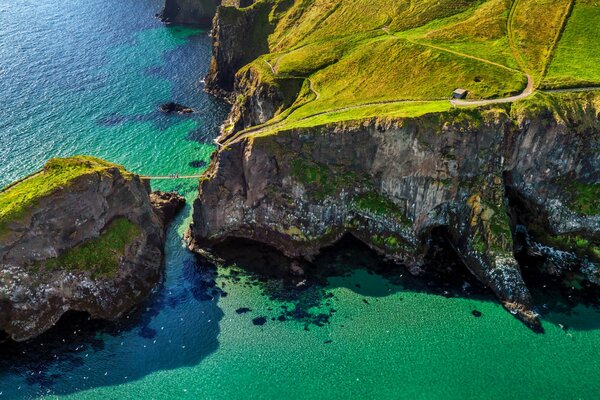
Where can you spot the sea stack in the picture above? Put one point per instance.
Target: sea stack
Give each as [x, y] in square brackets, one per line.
[81, 234]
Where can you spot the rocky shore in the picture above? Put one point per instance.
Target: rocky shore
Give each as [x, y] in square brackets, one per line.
[494, 182]
[93, 242]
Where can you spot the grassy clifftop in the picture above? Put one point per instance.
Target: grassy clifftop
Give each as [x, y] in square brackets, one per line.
[366, 58]
[18, 198]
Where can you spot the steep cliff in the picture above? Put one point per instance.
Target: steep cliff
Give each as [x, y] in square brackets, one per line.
[195, 12]
[189, 12]
[239, 36]
[81, 234]
[341, 125]
[392, 183]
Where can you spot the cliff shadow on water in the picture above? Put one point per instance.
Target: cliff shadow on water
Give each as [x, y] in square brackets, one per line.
[303, 289]
[177, 326]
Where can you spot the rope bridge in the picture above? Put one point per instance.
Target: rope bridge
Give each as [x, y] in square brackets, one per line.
[172, 176]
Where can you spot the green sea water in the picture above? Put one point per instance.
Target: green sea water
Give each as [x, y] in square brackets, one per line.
[87, 77]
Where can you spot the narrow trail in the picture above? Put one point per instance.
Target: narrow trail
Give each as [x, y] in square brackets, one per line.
[457, 53]
[511, 36]
[254, 131]
[571, 90]
[526, 93]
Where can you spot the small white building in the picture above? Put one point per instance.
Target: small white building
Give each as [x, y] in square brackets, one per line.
[460, 94]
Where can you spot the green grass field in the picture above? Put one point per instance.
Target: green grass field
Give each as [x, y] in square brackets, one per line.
[19, 198]
[100, 256]
[576, 61]
[371, 58]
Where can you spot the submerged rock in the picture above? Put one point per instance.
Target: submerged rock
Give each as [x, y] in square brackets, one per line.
[259, 321]
[80, 235]
[169, 108]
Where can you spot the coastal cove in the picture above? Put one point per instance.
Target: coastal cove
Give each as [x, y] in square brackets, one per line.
[88, 78]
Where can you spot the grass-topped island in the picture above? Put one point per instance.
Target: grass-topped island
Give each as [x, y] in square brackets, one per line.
[81, 234]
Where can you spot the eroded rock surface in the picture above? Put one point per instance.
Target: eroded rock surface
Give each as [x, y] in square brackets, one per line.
[166, 205]
[41, 253]
[390, 184]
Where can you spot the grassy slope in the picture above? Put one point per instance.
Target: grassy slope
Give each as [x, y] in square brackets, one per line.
[577, 58]
[535, 27]
[366, 58]
[17, 199]
[100, 256]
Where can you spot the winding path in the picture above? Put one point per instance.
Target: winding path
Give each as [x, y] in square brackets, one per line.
[526, 93]
[570, 90]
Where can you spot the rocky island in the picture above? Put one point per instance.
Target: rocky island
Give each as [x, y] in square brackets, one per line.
[81, 234]
[344, 126]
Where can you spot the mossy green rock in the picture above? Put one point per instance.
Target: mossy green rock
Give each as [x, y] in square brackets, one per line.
[80, 234]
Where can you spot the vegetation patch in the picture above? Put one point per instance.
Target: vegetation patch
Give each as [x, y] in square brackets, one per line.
[489, 222]
[100, 256]
[574, 243]
[364, 59]
[18, 199]
[535, 26]
[576, 61]
[390, 243]
[585, 198]
[375, 203]
[320, 180]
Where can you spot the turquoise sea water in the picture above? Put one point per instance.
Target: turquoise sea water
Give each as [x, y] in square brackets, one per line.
[87, 77]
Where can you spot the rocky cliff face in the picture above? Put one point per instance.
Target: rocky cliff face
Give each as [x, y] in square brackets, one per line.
[498, 185]
[238, 37]
[189, 12]
[196, 12]
[476, 177]
[93, 245]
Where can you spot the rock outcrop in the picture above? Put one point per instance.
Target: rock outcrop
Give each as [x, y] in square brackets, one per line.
[475, 176]
[189, 12]
[169, 108]
[166, 205]
[519, 182]
[195, 12]
[239, 36]
[91, 241]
